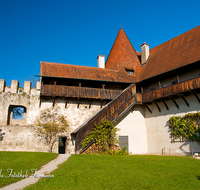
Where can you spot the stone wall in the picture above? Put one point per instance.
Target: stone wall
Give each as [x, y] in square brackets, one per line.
[19, 133]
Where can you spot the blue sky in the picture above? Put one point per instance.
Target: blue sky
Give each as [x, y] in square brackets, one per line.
[77, 31]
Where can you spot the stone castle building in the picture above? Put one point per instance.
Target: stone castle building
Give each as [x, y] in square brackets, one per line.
[138, 90]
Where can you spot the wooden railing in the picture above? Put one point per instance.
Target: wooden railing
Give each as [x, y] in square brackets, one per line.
[172, 90]
[112, 111]
[79, 92]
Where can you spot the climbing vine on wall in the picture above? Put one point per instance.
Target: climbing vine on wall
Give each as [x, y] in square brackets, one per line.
[186, 126]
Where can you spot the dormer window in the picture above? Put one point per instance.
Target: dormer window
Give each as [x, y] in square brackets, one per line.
[130, 72]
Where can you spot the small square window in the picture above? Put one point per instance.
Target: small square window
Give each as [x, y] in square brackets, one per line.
[18, 113]
[130, 72]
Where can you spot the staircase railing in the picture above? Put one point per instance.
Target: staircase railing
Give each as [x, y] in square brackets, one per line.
[112, 111]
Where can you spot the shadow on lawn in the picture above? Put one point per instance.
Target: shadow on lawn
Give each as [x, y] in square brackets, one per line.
[198, 177]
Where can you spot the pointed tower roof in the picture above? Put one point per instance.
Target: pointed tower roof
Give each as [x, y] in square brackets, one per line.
[122, 54]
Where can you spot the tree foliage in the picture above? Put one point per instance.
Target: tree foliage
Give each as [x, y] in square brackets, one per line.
[49, 125]
[103, 135]
[186, 126]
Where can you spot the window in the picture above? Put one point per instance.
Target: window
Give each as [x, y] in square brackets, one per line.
[130, 72]
[18, 113]
[123, 142]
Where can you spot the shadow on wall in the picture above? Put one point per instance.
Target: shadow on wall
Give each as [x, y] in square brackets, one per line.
[194, 147]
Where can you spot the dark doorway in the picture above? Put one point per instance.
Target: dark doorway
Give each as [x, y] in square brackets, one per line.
[62, 145]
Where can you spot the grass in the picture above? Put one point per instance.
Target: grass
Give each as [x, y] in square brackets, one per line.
[124, 172]
[21, 161]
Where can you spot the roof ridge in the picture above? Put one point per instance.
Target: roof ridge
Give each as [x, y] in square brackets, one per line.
[65, 64]
[184, 33]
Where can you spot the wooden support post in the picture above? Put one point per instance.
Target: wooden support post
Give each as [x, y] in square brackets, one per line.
[78, 103]
[177, 78]
[142, 90]
[90, 103]
[185, 101]
[40, 103]
[54, 100]
[196, 96]
[79, 93]
[165, 104]
[175, 103]
[103, 86]
[157, 106]
[66, 103]
[101, 103]
[147, 108]
[159, 84]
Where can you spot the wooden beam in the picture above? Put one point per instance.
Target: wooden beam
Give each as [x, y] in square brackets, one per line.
[147, 108]
[175, 103]
[185, 101]
[165, 105]
[196, 96]
[157, 106]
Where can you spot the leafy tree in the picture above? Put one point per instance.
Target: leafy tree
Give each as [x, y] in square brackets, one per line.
[49, 125]
[103, 135]
[186, 126]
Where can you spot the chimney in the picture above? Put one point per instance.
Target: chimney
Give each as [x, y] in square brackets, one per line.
[101, 61]
[144, 53]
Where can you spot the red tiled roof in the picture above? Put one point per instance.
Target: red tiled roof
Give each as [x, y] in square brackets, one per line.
[122, 54]
[81, 72]
[175, 53]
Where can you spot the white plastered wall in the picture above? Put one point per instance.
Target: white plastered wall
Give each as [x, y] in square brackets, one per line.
[157, 124]
[133, 126]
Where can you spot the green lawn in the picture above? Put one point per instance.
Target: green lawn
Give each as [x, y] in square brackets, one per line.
[124, 172]
[21, 161]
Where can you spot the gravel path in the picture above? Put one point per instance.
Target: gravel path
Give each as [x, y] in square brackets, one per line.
[44, 171]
